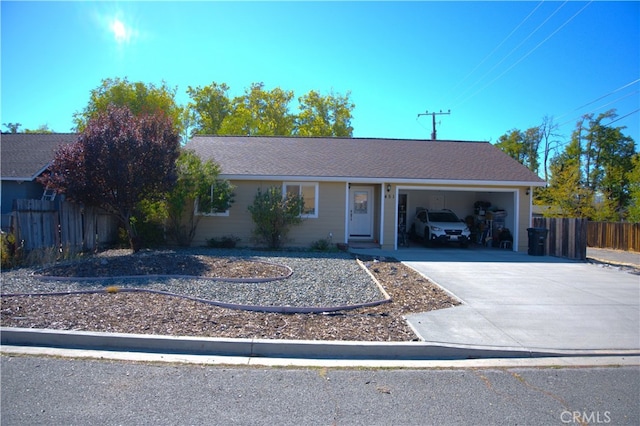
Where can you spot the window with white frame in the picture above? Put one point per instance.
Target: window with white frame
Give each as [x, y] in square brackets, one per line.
[309, 193]
[206, 206]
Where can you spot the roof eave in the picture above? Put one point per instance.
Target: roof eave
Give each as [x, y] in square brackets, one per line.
[28, 178]
[243, 177]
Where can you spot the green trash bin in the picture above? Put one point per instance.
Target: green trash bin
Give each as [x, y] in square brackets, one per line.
[537, 239]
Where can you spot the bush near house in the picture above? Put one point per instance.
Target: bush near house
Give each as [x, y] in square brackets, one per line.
[273, 214]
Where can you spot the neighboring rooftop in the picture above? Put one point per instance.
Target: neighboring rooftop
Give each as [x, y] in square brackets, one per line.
[26, 155]
[352, 158]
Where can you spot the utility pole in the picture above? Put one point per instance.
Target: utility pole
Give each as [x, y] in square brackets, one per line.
[433, 116]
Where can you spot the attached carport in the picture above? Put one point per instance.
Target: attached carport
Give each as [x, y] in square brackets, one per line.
[486, 209]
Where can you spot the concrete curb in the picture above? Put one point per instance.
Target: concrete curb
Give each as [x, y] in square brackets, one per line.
[288, 349]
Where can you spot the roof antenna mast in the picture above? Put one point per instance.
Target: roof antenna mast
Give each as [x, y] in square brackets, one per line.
[433, 116]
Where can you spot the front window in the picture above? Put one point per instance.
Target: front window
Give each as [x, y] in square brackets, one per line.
[308, 192]
[212, 204]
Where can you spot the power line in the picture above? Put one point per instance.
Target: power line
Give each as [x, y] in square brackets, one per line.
[610, 93]
[562, 144]
[497, 47]
[624, 116]
[600, 106]
[528, 53]
[508, 55]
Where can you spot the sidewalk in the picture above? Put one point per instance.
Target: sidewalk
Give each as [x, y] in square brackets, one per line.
[614, 257]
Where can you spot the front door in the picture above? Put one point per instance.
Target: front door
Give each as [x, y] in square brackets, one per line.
[361, 212]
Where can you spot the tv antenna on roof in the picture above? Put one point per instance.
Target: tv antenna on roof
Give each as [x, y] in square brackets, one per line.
[433, 116]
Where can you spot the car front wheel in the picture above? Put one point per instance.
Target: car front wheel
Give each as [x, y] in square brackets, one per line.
[427, 239]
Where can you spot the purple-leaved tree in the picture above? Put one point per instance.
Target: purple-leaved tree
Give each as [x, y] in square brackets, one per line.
[118, 160]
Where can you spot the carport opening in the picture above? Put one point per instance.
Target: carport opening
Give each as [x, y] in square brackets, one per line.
[489, 215]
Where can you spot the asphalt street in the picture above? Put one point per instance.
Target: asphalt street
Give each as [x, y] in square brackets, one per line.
[47, 391]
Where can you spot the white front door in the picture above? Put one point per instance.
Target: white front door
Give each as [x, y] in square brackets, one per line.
[361, 212]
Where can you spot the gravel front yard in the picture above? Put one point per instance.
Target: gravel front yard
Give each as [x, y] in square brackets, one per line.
[316, 280]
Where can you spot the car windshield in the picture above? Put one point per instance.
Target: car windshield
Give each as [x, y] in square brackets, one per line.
[442, 217]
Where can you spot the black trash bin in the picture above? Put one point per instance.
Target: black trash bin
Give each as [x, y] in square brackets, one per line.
[537, 238]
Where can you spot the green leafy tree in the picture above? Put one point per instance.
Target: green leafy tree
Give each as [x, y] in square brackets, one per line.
[512, 144]
[591, 177]
[566, 190]
[260, 112]
[15, 128]
[522, 146]
[633, 175]
[609, 159]
[12, 127]
[209, 106]
[198, 182]
[118, 161]
[138, 97]
[328, 115]
[268, 112]
[44, 128]
[273, 214]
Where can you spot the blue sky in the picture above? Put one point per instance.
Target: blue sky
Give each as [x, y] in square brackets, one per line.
[495, 65]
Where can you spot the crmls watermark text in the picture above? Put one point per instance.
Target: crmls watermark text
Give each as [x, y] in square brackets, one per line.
[582, 417]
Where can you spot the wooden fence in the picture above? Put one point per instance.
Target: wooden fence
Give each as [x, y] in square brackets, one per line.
[566, 237]
[614, 235]
[45, 224]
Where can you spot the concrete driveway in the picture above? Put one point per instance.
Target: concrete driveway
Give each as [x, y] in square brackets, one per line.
[527, 302]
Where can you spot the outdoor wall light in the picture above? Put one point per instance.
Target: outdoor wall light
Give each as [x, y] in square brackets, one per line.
[388, 187]
[527, 191]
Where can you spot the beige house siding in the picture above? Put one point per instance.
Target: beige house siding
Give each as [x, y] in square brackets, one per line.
[331, 210]
[331, 220]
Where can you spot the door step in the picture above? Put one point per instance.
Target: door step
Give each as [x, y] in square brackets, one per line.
[363, 244]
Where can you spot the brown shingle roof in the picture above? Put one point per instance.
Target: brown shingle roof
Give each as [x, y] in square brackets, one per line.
[26, 155]
[353, 158]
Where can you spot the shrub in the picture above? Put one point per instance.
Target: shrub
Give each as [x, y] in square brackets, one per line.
[151, 232]
[321, 245]
[10, 252]
[273, 215]
[225, 242]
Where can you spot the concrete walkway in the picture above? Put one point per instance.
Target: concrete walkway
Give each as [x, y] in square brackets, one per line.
[513, 300]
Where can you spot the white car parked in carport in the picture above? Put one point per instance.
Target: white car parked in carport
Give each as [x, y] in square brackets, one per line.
[441, 226]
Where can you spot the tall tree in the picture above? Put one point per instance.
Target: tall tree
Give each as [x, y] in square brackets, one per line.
[328, 115]
[512, 144]
[210, 105]
[600, 158]
[140, 98]
[566, 188]
[522, 146]
[118, 160]
[260, 112]
[532, 141]
[549, 142]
